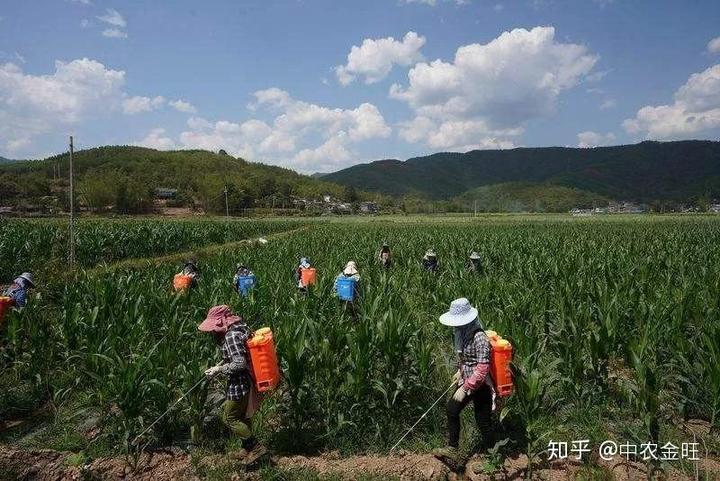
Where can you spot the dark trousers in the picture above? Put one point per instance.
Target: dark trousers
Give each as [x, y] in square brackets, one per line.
[482, 402]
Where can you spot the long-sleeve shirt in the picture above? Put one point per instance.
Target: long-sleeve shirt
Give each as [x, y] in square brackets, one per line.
[236, 361]
[18, 294]
[430, 264]
[475, 361]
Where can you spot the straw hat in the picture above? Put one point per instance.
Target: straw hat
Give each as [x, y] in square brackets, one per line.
[460, 313]
[430, 253]
[350, 269]
[218, 319]
[475, 256]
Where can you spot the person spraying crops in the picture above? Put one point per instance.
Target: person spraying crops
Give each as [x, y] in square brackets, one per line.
[475, 263]
[347, 286]
[472, 347]
[16, 293]
[231, 334]
[187, 277]
[305, 274]
[244, 280]
[430, 261]
[385, 257]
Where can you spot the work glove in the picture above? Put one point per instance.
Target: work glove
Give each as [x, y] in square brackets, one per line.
[457, 377]
[212, 372]
[459, 395]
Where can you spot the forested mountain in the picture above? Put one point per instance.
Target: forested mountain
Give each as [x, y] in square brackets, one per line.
[642, 172]
[127, 178]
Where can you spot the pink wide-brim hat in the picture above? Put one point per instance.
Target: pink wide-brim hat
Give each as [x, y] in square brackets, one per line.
[218, 319]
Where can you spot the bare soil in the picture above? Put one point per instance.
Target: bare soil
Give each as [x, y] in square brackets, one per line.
[48, 465]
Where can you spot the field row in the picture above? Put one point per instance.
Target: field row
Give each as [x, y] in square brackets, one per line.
[43, 244]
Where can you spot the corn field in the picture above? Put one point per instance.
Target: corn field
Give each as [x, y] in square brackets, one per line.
[611, 319]
[43, 244]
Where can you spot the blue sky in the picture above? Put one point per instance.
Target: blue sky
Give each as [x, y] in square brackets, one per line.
[318, 85]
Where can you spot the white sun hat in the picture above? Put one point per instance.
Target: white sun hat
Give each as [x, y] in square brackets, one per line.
[27, 276]
[460, 313]
[350, 269]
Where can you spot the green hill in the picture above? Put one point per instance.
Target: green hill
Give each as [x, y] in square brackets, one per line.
[526, 197]
[642, 172]
[127, 178]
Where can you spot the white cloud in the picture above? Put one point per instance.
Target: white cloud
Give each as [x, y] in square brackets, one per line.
[331, 155]
[457, 136]
[77, 91]
[696, 109]
[608, 103]
[31, 105]
[301, 135]
[18, 144]
[84, 2]
[183, 106]
[114, 33]
[499, 7]
[597, 76]
[117, 22]
[489, 91]
[273, 97]
[135, 105]
[198, 123]
[74, 90]
[84, 23]
[375, 58]
[713, 45]
[589, 139]
[156, 139]
[113, 17]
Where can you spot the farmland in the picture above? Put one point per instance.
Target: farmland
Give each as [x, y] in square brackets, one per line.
[615, 325]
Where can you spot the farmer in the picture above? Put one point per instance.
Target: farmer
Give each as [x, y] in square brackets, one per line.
[304, 265]
[231, 334]
[242, 271]
[472, 347]
[475, 263]
[190, 269]
[349, 272]
[19, 289]
[429, 261]
[384, 257]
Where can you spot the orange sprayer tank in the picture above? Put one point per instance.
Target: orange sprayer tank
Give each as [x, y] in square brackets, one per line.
[263, 357]
[5, 305]
[181, 281]
[308, 276]
[500, 365]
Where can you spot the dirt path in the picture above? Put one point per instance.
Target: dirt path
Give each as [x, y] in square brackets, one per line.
[166, 465]
[200, 252]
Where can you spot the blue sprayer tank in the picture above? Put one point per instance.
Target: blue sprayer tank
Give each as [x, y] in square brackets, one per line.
[345, 288]
[245, 284]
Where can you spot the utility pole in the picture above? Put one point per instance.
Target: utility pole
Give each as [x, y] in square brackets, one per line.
[227, 208]
[475, 215]
[72, 208]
